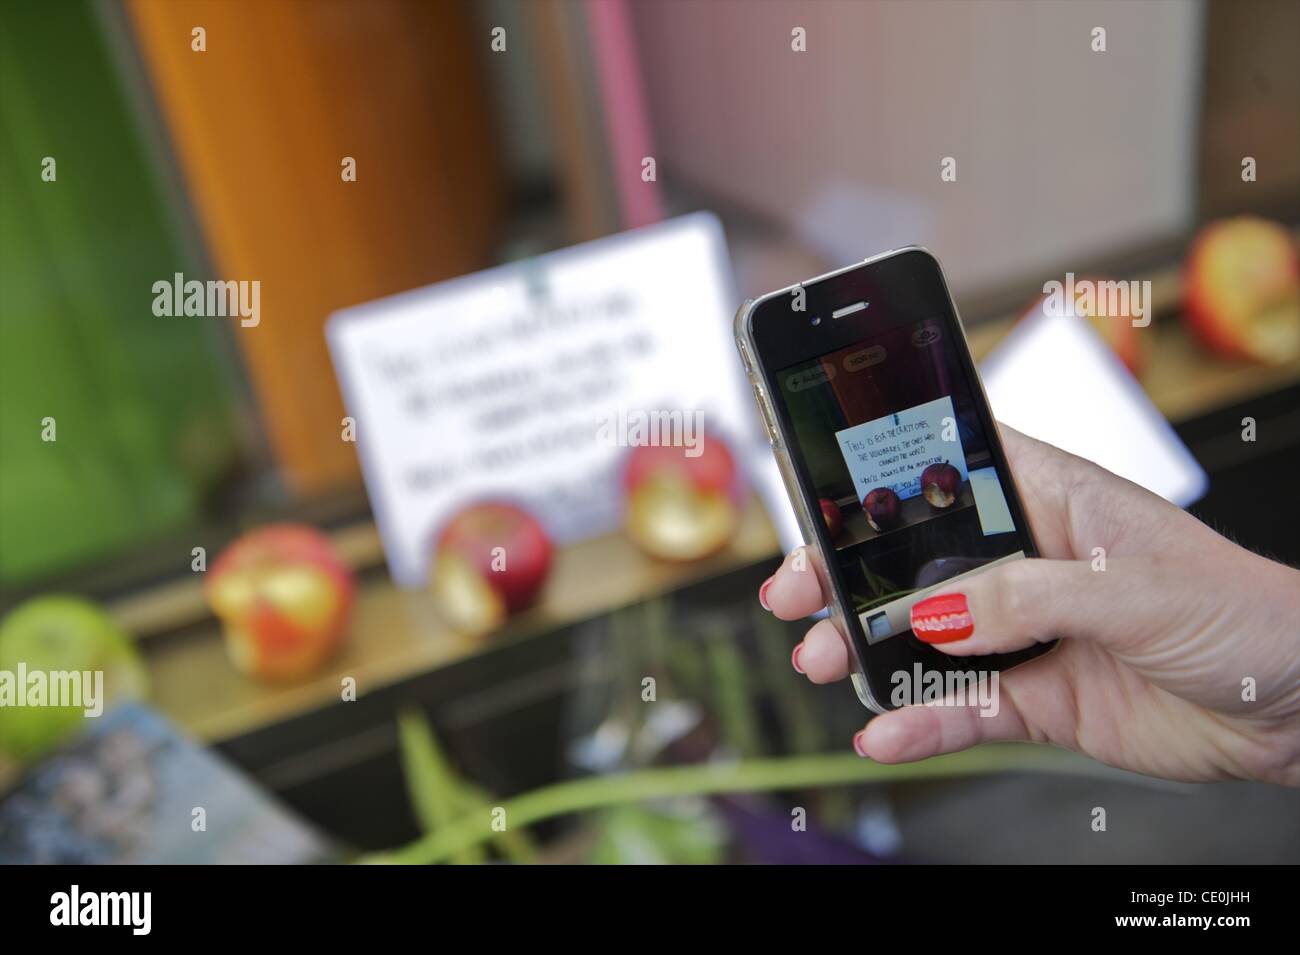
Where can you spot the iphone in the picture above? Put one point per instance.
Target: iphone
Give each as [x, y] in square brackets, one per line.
[890, 456]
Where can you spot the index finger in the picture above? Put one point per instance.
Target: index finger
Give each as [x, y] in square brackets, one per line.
[795, 590]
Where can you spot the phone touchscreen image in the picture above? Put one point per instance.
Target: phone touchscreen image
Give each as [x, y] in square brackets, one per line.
[889, 432]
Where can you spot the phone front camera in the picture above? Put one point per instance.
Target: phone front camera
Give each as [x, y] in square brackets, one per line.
[816, 319]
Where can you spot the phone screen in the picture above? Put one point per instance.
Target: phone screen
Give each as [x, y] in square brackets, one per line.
[901, 467]
[893, 442]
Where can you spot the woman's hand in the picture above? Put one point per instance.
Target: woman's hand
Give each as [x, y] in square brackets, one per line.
[1160, 650]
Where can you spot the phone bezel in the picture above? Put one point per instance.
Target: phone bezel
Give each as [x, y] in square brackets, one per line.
[773, 335]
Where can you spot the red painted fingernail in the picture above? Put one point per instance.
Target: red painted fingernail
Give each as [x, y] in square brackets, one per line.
[857, 743]
[794, 658]
[762, 593]
[944, 618]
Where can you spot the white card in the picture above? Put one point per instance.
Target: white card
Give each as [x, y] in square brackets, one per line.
[494, 385]
[1054, 378]
[895, 450]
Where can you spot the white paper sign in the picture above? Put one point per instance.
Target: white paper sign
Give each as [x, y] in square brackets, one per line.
[495, 385]
[893, 451]
[1055, 379]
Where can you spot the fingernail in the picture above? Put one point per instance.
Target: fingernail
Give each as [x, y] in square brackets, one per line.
[794, 658]
[762, 593]
[858, 745]
[943, 618]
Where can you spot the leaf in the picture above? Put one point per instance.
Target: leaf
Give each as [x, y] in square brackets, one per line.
[430, 783]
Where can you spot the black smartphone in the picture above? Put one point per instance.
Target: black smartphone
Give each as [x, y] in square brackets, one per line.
[890, 455]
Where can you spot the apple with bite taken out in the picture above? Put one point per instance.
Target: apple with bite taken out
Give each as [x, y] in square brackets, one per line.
[1242, 290]
[940, 484]
[490, 561]
[682, 504]
[883, 509]
[284, 598]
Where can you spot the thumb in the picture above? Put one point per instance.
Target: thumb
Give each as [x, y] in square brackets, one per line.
[1024, 602]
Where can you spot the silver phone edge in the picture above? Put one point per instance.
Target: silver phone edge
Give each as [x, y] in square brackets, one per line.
[777, 439]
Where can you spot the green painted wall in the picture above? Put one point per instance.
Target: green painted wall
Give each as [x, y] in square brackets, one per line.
[142, 407]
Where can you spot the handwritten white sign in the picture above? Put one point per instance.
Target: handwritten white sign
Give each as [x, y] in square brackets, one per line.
[496, 385]
[894, 450]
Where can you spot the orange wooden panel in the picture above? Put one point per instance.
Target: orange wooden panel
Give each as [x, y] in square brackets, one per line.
[261, 122]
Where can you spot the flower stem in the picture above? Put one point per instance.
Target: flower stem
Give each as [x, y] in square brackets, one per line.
[758, 775]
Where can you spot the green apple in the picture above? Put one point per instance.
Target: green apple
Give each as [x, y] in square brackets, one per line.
[59, 634]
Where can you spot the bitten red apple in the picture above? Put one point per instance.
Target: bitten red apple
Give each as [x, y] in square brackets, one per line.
[883, 509]
[284, 599]
[490, 561]
[680, 507]
[832, 515]
[1242, 290]
[940, 484]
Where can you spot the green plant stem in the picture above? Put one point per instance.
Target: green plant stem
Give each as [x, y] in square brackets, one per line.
[747, 776]
[516, 845]
[430, 781]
